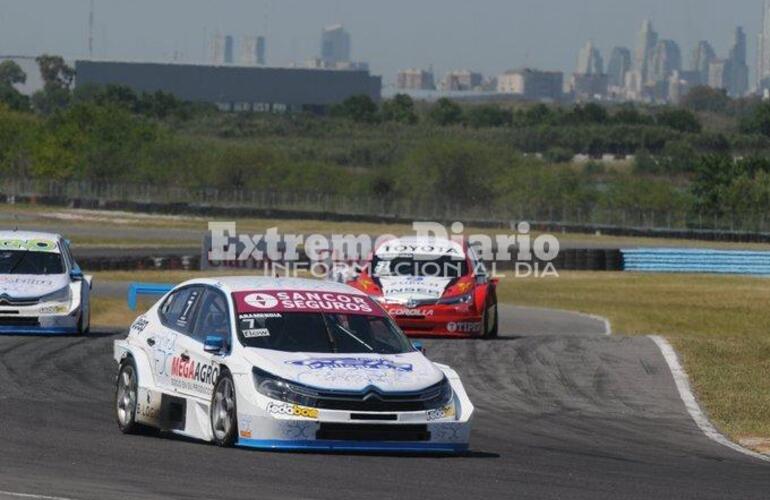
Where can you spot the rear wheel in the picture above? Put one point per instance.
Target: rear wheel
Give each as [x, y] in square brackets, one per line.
[126, 397]
[224, 424]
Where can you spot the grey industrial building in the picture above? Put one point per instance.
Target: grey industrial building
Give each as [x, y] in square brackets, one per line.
[236, 88]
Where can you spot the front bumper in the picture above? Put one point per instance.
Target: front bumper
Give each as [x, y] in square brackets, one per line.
[439, 321]
[353, 446]
[271, 425]
[41, 319]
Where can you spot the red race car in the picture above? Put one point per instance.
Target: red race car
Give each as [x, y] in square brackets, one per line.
[432, 287]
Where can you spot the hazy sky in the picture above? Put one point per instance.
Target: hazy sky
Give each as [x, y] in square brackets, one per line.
[486, 35]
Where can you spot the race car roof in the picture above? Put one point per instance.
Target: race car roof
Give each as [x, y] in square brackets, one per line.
[257, 283]
[29, 235]
[414, 245]
[9, 240]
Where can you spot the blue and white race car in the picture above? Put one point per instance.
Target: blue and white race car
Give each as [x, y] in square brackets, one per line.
[288, 364]
[42, 289]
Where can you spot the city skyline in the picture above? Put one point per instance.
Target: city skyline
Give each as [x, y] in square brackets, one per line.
[485, 43]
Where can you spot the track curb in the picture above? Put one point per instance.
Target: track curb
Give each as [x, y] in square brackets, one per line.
[684, 388]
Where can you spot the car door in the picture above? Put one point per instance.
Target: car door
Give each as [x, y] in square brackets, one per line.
[166, 341]
[199, 368]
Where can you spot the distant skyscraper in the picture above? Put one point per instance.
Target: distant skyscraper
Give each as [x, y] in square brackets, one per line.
[261, 50]
[335, 45]
[229, 49]
[620, 64]
[253, 50]
[738, 71]
[646, 43]
[702, 57]
[763, 49]
[719, 74]
[666, 59]
[590, 61]
[217, 50]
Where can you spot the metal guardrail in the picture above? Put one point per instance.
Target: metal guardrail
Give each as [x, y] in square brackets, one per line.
[670, 260]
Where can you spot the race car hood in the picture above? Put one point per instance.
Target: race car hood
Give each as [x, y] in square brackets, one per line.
[30, 286]
[350, 372]
[402, 289]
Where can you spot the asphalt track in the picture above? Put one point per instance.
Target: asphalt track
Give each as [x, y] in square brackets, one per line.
[563, 411]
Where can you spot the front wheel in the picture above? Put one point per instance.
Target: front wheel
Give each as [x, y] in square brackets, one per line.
[126, 398]
[224, 424]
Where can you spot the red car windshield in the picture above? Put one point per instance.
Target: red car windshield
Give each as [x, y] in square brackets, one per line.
[427, 266]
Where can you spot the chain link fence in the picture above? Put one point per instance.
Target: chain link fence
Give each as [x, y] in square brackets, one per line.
[149, 197]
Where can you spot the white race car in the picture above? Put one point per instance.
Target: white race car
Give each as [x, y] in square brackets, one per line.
[42, 289]
[293, 364]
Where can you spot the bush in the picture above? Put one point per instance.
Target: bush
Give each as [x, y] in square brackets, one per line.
[445, 112]
[488, 116]
[360, 109]
[679, 119]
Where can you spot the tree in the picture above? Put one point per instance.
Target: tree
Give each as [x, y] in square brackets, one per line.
[359, 108]
[400, 109]
[446, 112]
[703, 98]
[57, 77]
[55, 72]
[11, 74]
[758, 122]
[488, 116]
[679, 119]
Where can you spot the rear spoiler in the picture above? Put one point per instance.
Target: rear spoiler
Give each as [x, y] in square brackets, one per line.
[136, 289]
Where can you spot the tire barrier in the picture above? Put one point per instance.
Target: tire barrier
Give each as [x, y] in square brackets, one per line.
[668, 260]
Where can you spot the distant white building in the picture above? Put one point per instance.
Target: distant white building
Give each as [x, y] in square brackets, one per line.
[532, 84]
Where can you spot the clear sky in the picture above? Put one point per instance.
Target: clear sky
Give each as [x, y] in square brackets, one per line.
[486, 35]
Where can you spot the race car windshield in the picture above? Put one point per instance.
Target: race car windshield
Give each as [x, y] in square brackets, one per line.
[322, 333]
[27, 262]
[434, 267]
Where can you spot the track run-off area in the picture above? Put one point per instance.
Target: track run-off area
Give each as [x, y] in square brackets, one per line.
[564, 410]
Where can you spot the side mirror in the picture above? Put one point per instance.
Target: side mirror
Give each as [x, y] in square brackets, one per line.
[214, 344]
[418, 346]
[76, 275]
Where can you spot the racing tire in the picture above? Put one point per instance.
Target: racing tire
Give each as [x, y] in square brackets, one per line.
[223, 412]
[84, 326]
[490, 332]
[126, 397]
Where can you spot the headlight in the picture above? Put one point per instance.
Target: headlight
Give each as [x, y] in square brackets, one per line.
[62, 295]
[457, 300]
[445, 396]
[277, 388]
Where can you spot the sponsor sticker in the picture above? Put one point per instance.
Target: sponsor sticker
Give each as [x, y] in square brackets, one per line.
[254, 333]
[291, 410]
[29, 245]
[440, 413]
[354, 363]
[464, 327]
[283, 301]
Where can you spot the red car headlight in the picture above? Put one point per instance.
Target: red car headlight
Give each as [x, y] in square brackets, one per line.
[456, 300]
